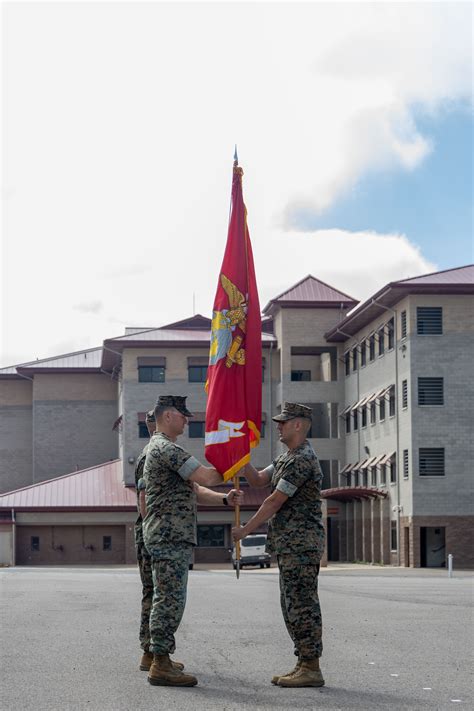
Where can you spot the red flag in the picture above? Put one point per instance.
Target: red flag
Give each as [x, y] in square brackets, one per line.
[234, 380]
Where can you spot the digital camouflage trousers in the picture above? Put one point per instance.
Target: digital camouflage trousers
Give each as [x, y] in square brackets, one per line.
[300, 602]
[144, 566]
[170, 581]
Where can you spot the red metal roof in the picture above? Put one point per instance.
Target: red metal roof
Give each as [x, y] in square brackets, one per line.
[311, 291]
[353, 493]
[98, 487]
[81, 361]
[451, 281]
[460, 275]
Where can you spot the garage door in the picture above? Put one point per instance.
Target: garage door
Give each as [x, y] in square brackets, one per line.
[57, 545]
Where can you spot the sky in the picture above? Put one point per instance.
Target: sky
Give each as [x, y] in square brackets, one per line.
[353, 123]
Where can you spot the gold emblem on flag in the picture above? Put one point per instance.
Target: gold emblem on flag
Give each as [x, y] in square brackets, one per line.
[223, 342]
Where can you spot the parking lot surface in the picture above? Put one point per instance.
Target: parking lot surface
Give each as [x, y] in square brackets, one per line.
[393, 639]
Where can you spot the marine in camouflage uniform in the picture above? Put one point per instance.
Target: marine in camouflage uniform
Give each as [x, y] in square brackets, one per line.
[170, 530]
[143, 557]
[296, 536]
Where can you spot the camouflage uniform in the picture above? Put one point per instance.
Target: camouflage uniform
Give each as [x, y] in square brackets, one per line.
[169, 532]
[144, 559]
[296, 535]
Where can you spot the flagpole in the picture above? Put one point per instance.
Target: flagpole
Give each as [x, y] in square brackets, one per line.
[237, 523]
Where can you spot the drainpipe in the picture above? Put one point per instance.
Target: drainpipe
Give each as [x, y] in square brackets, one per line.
[27, 377]
[269, 426]
[358, 394]
[397, 455]
[13, 538]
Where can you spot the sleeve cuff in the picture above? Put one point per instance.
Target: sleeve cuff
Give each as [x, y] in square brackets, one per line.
[286, 488]
[189, 466]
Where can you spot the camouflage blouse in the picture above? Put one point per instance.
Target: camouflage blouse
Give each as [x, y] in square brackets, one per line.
[297, 526]
[170, 497]
[139, 485]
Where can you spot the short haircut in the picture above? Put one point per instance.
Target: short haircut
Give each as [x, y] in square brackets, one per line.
[305, 424]
[160, 409]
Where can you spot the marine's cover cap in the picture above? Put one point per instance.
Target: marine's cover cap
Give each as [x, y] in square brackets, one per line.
[292, 410]
[176, 401]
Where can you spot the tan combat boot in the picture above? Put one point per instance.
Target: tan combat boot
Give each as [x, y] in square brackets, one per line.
[162, 673]
[276, 678]
[147, 660]
[308, 674]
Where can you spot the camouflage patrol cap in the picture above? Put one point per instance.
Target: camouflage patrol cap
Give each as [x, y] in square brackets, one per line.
[150, 416]
[176, 401]
[292, 410]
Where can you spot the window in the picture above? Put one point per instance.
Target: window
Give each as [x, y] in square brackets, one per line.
[354, 358]
[197, 373]
[372, 347]
[381, 336]
[347, 362]
[405, 464]
[431, 461]
[391, 333]
[372, 413]
[196, 429]
[356, 477]
[393, 537]
[262, 429]
[107, 543]
[263, 373]
[382, 409]
[348, 422]
[373, 476]
[391, 401]
[355, 415]
[429, 320]
[151, 374]
[430, 391]
[34, 543]
[364, 478]
[404, 394]
[364, 416]
[143, 431]
[363, 354]
[383, 474]
[210, 536]
[393, 471]
[403, 327]
[300, 375]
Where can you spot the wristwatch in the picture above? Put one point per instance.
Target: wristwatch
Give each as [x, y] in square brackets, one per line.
[224, 501]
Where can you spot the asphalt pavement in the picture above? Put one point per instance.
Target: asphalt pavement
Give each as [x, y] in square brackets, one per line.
[393, 639]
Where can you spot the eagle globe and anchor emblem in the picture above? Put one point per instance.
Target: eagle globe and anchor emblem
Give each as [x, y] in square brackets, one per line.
[224, 344]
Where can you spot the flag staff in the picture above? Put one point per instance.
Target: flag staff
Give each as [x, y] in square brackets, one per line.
[237, 477]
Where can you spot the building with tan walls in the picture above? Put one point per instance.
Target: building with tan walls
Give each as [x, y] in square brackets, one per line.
[390, 426]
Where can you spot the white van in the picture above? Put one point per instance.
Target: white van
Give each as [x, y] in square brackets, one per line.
[252, 551]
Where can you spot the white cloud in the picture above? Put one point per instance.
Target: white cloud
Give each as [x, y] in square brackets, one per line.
[118, 158]
[89, 307]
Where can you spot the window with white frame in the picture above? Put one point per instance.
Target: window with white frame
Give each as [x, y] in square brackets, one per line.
[405, 464]
[403, 324]
[404, 394]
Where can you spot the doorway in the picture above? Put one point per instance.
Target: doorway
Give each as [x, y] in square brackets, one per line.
[433, 546]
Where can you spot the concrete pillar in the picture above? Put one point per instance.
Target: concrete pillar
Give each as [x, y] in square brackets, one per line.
[357, 530]
[349, 531]
[385, 531]
[324, 509]
[375, 530]
[342, 531]
[366, 527]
